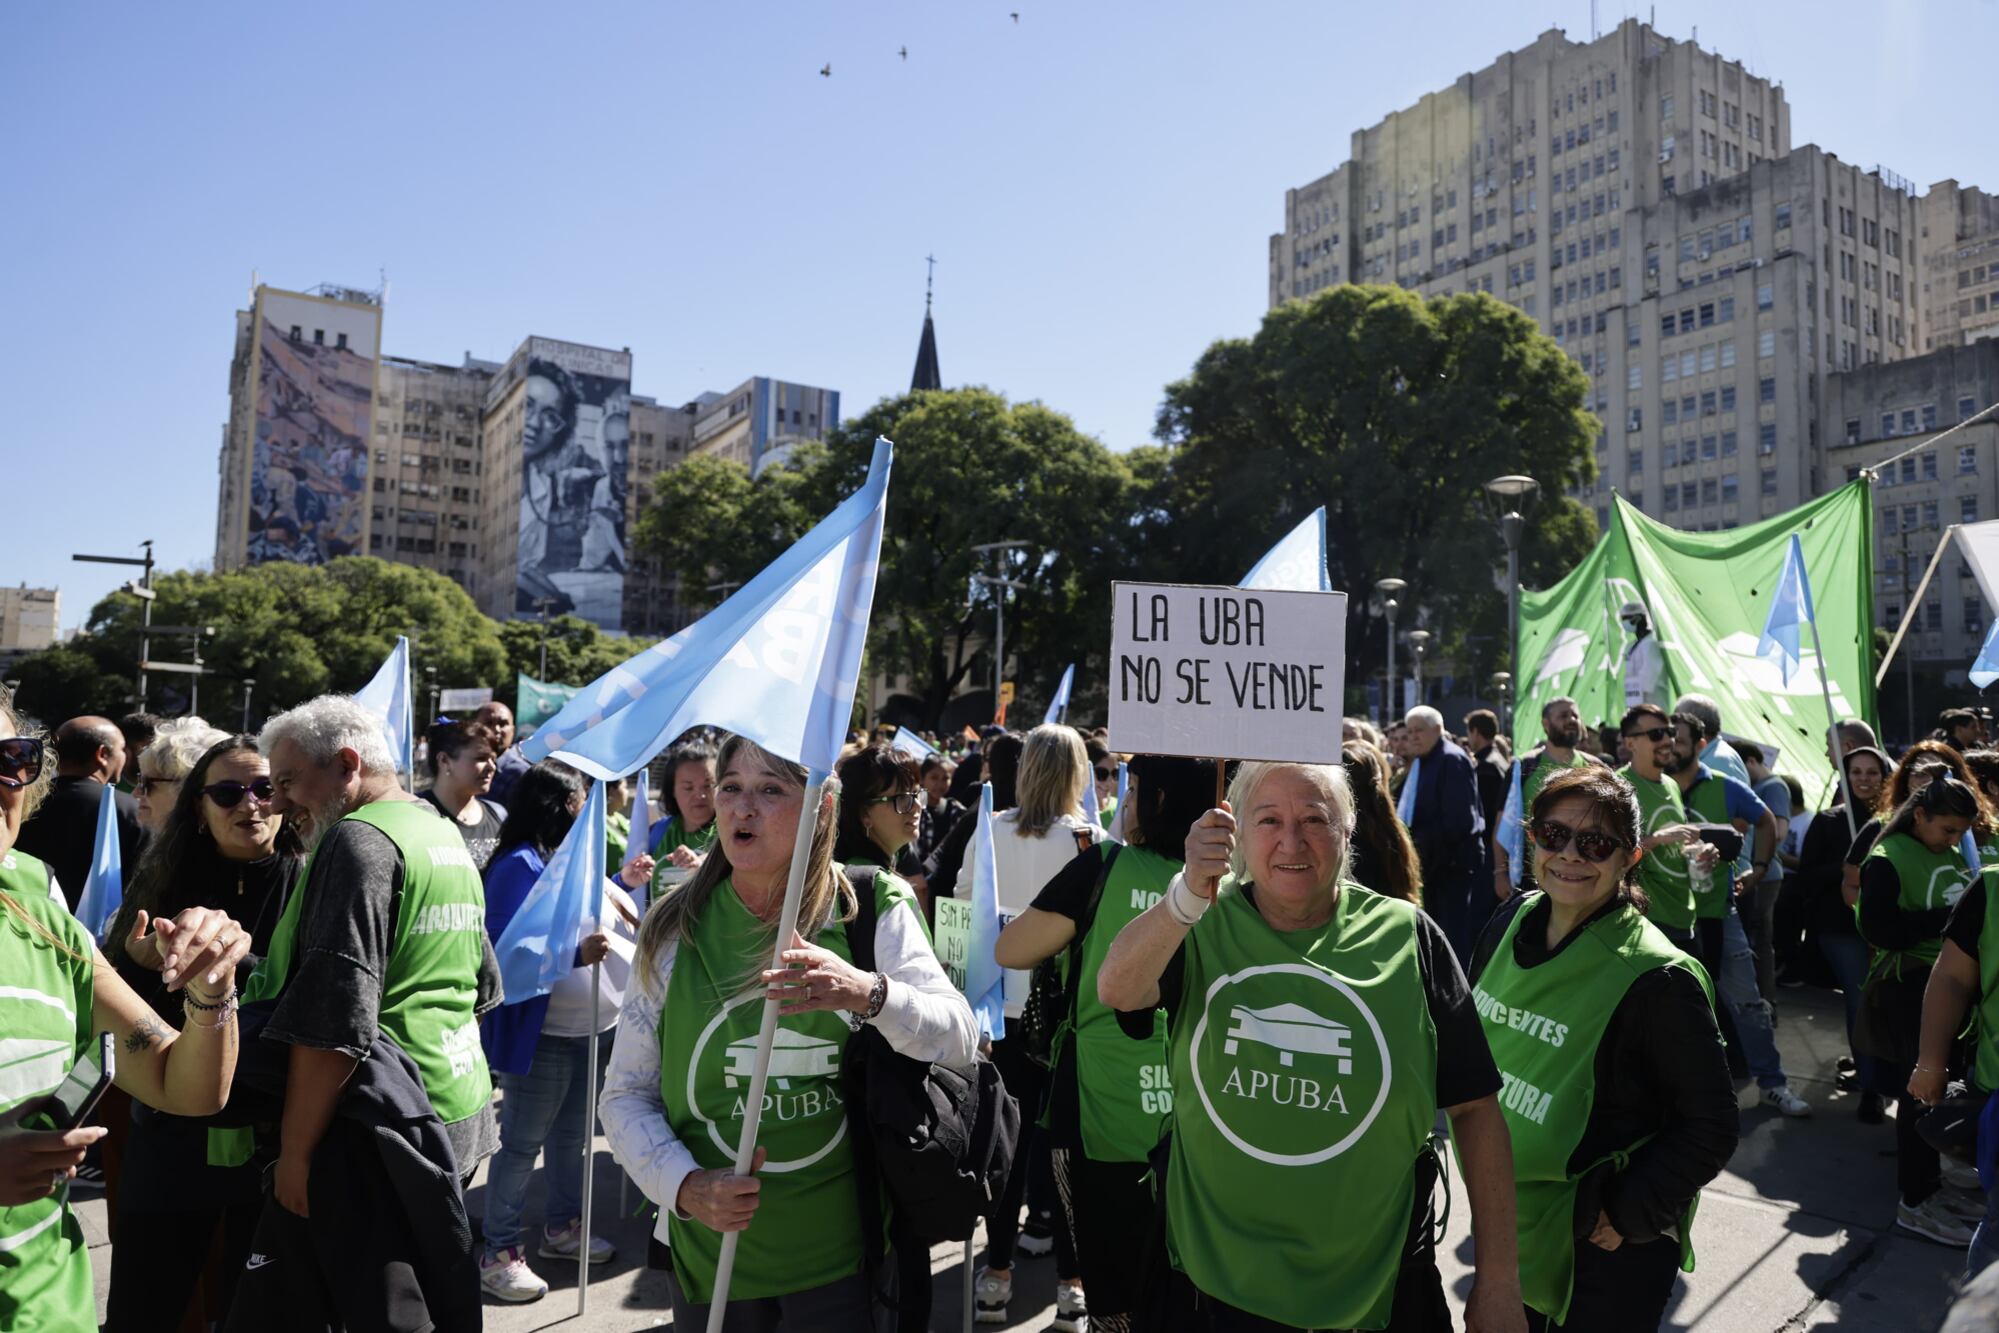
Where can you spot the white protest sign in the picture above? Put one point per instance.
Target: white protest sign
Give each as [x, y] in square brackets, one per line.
[464, 698]
[952, 936]
[1227, 673]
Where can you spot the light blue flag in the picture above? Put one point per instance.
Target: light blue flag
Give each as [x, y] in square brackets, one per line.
[638, 841]
[1093, 810]
[538, 947]
[1405, 804]
[1986, 669]
[1513, 828]
[1296, 564]
[388, 696]
[105, 889]
[777, 662]
[1790, 612]
[985, 980]
[1060, 703]
[1967, 847]
[1117, 815]
[908, 743]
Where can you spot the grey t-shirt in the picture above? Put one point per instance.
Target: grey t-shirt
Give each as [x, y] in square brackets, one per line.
[346, 931]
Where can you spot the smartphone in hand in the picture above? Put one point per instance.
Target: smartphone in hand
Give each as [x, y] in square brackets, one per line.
[80, 1093]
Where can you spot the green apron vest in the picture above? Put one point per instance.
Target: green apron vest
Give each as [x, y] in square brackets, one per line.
[45, 1026]
[1707, 803]
[1305, 1068]
[1543, 772]
[676, 835]
[1929, 880]
[807, 1231]
[24, 876]
[1663, 872]
[432, 983]
[1544, 1025]
[617, 836]
[1123, 1087]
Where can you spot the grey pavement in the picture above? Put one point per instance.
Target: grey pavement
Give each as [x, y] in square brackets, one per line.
[1795, 1235]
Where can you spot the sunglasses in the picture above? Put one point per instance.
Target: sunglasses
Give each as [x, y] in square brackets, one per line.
[1105, 774]
[1551, 837]
[230, 794]
[144, 785]
[1652, 734]
[20, 761]
[902, 803]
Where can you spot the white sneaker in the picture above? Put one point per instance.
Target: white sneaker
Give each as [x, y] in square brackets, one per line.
[1930, 1220]
[1036, 1238]
[1967, 1206]
[1072, 1310]
[991, 1295]
[563, 1242]
[1786, 1102]
[505, 1275]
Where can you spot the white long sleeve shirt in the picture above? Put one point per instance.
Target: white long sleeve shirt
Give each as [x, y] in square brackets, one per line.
[923, 1017]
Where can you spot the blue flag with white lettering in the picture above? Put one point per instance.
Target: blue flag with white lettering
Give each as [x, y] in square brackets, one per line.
[105, 889]
[538, 947]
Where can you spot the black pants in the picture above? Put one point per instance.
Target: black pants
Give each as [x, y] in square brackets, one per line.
[1109, 1208]
[913, 1283]
[156, 1271]
[1624, 1290]
[1028, 1082]
[1918, 1169]
[843, 1306]
[1419, 1306]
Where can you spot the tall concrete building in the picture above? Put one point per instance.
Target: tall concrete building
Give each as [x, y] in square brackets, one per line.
[758, 422]
[30, 619]
[425, 487]
[1960, 248]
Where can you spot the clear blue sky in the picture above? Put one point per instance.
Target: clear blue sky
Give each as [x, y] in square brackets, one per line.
[1098, 182]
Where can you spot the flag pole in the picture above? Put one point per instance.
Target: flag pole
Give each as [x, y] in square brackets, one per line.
[589, 1139]
[787, 924]
[1832, 721]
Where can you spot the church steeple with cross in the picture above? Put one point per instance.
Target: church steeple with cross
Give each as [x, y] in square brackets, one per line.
[927, 376]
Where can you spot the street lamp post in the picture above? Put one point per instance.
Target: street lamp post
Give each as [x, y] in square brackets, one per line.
[1000, 584]
[141, 588]
[1390, 589]
[1510, 494]
[1502, 685]
[542, 604]
[1419, 644]
[248, 685]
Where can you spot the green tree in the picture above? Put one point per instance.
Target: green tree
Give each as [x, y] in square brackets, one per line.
[1392, 411]
[65, 681]
[578, 651]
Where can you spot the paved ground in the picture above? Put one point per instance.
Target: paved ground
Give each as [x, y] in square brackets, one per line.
[1794, 1236]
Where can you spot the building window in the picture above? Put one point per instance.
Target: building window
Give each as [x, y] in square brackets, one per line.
[1769, 393]
[1967, 509]
[1909, 421]
[1933, 616]
[1887, 425]
[1728, 397]
[1889, 520]
[1669, 412]
[1930, 516]
[1930, 466]
[298, 334]
[1709, 489]
[340, 341]
[1728, 354]
[1766, 438]
[1766, 343]
[1729, 489]
[1929, 416]
[1635, 419]
[1707, 403]
[1728, 444]
[1974, 616]
[1634, 378]
[1634, 461]
[1908, 471]
[1967, 459]
[1709, 447]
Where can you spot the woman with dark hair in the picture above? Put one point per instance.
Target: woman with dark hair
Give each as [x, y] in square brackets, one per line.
[881, 810]
[685, 830]
[540, 1048]
[1383, 858]
[218, 846]
[1109, 1098]
[463, 758]
[1913, 876]
[1618, 1099]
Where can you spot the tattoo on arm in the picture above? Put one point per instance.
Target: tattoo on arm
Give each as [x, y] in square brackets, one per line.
[147, 1032]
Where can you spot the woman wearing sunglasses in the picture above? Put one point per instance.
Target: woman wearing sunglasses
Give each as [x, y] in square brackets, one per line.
[1617, 1094]
[219, 847]
[60, 996]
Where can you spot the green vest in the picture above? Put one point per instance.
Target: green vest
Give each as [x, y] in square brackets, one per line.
[24, 876]
[1929, 880]
[1707, 803]
[432, 982]
[1107, 816]
[1544, 1024]
[1663, 872]
[1305, 1065]
[617, 835]
[45, 1026]
[676, 835]
[1123, 1088]
[807, 1231]
[1543, 772]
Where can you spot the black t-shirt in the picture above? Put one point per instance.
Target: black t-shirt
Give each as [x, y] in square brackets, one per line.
[1967, 921]
[1068, 894]
[1863, 842]
[481, 838]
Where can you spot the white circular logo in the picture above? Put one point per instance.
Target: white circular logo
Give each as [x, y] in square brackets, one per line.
[1290, 1049]
[803, 1084]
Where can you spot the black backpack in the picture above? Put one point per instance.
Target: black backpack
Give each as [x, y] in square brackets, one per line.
[940, 1141]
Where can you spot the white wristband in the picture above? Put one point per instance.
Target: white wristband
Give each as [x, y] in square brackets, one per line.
[1183, 904]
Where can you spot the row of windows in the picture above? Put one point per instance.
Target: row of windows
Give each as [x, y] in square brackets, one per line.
[1914, 420]
[1704, 315]
[1701, 244]
[1931, 619]
[1707, 491]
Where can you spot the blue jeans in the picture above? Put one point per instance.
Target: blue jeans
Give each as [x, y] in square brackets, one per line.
[1734, 974]
[543, 1112]
[1984, 1241]
[1847, 956]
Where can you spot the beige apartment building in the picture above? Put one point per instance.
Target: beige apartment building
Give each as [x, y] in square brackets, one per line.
[758, 422]
[30, 619]
[425, 485]
[1960, 247]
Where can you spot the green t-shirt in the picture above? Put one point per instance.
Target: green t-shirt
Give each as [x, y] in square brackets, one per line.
[1663, 871]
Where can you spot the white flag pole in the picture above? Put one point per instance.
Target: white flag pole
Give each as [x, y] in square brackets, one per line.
[589, 1141]
[787, 923]
[1832, 726]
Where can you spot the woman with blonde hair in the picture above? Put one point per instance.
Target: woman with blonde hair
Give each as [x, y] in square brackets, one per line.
[672, 1104]
[1384, 859]
[176, 747]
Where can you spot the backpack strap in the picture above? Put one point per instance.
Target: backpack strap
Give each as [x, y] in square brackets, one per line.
[867, 1189]
[861, 927]
[1072, 961]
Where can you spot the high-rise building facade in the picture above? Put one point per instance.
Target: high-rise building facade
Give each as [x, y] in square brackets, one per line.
[425, 489]
[1960, 246]
[30, 619]
[758, 422]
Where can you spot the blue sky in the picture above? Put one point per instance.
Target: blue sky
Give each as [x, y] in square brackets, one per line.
[1097, 180]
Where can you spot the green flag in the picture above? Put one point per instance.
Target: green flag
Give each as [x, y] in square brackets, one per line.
[536, 701]
[1708, 595]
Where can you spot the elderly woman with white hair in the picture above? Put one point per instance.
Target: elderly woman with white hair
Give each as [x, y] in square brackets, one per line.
[1314, 1030]
[176, 747]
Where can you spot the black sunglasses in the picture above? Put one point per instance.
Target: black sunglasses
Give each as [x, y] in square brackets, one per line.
[1652, 734]
[1106, 774]
[230, 794]
[143, 785]
[1551, 837]
[20, 761]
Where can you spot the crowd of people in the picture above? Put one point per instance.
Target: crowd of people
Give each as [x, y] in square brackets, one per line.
[1223, 1015]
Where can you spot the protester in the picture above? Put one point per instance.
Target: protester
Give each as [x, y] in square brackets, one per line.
[999, 764]
[1259, 948]
[540, 1048]
[1561, 749]
[618, 820]
[1031, 843]
[175, 747]
[1440, 806]
[349, 961]
[1958, 728]
[461, 764]
[940, 811]
[1759, 906]
[60, 995]
[509, 764]
[1644, 668]
[1716, 752]
[1621, 1107]
[89, 753]
[1911, 879]
[1109, 1098]
[218, 846]
[1381, 858]
[139, 730]
[881, 812]
[1920, 762]
[1672, 850]
[801, 1265]
[685, 829]
[1103, 772]
[1489, 763]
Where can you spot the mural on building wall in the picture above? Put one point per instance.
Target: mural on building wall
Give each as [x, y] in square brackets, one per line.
[309, 462]
[576, 429]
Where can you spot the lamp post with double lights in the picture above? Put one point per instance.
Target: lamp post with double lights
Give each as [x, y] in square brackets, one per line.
[999, 584]
[1511, 494]
[1419, 644]
[1390, 589]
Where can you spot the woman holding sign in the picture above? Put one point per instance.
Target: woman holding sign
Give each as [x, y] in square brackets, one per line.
[1618, 1097]
[1314, 1029]
[673, 1100]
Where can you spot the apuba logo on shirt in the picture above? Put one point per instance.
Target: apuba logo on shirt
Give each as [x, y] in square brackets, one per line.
[1289, 1064]
[803, 1087]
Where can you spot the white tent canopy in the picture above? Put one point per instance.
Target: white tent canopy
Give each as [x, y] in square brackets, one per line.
[1978, 545]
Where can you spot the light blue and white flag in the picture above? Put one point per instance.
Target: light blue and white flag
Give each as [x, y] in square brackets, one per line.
[908, 743]
[1986, 669]
[1296, 564]
[1790, 612]
[1513, 828]
[388, 696]
[104, 890]
[985, 979]
[777, 662]
[1405, 804]
[637, 842]
[1118, 814]
[1093, 809]
[1060, 703]
[538, 947]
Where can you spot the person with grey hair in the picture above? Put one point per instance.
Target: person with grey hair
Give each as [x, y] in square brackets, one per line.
[1314, 1029]
[1439, 805]
[1717, 754]
[385, 936]
[177, 745]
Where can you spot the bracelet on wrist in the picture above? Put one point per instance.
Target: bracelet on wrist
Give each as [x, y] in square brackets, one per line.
[1183, 904]
[1929, 1069]
[193, 1012]
[877, 997]
[192, 997]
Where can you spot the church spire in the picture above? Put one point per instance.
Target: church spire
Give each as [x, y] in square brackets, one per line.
[927, 376]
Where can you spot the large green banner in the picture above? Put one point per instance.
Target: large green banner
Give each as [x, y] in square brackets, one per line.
[536, 701]
[1708, 594]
